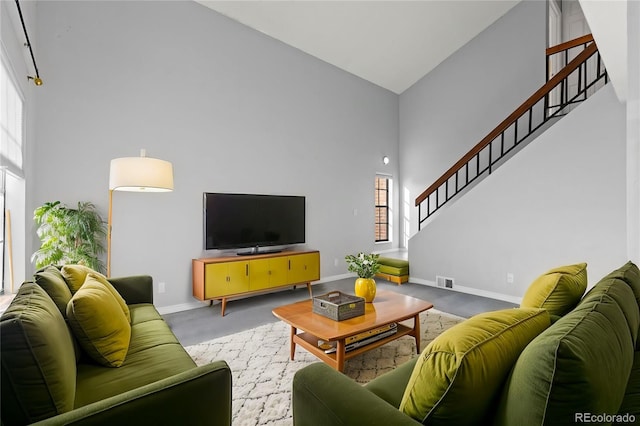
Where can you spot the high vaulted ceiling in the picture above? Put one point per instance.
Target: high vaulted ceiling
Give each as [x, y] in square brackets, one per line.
[391, 43]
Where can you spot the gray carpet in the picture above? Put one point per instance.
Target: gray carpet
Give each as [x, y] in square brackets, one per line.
[263, 373]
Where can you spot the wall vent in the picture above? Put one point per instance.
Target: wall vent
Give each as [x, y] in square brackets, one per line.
[444, 282]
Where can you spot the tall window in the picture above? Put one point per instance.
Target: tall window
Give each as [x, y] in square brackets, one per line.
[10, 122]
[382, 215]
[12, 188]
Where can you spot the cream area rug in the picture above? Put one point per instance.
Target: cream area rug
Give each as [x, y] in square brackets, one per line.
[263, 373]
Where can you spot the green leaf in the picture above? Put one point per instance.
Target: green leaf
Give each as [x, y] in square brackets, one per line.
[69, 235]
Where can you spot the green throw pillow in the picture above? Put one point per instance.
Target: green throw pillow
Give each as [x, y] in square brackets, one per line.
[52, 281]
[75, 275]
[630, 274]
[457, 376]
[581, 364]
[38, 360]
[558, 290]
[99, 324]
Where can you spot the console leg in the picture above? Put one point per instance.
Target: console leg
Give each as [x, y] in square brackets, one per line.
[224, 305]
[310, 292]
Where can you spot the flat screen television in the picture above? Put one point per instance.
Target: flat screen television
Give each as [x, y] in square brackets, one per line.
[234, 221]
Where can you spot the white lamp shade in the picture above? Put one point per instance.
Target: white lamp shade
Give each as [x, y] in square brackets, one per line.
[140, 174]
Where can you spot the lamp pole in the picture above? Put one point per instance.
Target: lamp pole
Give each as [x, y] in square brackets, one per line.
[109, 232]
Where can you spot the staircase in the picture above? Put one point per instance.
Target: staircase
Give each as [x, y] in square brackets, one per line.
[583, 75]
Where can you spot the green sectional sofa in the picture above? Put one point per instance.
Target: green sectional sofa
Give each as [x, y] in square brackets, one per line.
[50, 376]
[582, 366]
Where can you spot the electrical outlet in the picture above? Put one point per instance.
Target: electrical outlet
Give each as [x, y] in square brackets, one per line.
[509, 278]
[161, 287]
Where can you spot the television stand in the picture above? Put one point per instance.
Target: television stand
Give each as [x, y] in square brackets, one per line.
[223, 278]
[255, 251]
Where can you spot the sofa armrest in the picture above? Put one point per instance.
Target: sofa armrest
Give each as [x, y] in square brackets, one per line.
[134, 289]
[324, 396]
[200, 396]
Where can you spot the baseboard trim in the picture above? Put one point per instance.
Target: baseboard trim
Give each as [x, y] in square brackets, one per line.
[461, 289]
[471, 290]
[171, 309]
[334, 278]
[163, 310]
[391, 250]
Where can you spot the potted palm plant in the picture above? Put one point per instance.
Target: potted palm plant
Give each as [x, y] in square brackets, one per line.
[69, 235]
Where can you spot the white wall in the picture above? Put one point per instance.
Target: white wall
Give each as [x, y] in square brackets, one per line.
[560, 200]
[453, 107]
[608, 23]
[233, 110]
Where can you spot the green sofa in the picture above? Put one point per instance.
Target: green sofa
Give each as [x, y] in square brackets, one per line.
[47, 377]
[585, 367]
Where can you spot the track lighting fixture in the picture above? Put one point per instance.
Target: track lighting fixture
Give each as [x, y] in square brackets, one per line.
[36, 80]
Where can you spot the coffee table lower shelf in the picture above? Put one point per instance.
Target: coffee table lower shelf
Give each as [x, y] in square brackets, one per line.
[337, 358]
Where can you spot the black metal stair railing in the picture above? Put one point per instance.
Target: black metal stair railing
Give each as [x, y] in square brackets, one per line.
[576, 81]
[557, 57]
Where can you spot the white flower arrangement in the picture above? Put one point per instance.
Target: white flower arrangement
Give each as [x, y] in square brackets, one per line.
[365, 265]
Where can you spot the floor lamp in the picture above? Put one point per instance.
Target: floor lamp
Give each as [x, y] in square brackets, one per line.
[136, 174]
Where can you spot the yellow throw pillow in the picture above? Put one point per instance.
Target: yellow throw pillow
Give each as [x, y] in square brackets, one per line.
[558, 290]
[99, 324]
[102, 280]
[75, 275]
[457, 377]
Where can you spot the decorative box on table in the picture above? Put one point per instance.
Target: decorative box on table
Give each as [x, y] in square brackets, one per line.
[338, 306]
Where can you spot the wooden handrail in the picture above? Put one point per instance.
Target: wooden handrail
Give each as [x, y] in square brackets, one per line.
[528, 104]
[570, 44]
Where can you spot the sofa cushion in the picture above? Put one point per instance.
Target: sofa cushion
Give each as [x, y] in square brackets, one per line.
[99, 324]
[579, 365]
[622, 295]
[631, 401]
[37, 357]
[558, 290]
[52, 281]
[103, 280]
[630, 274]
[143, 312]
[390, 386]
[393, 266]
[466, 366]
[392, 270]
[75, 275]
[154, 354]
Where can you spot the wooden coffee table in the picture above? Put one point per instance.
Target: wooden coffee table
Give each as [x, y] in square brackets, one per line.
[387, 307]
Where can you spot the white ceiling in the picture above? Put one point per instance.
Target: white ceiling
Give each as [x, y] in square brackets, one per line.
[391, 43]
